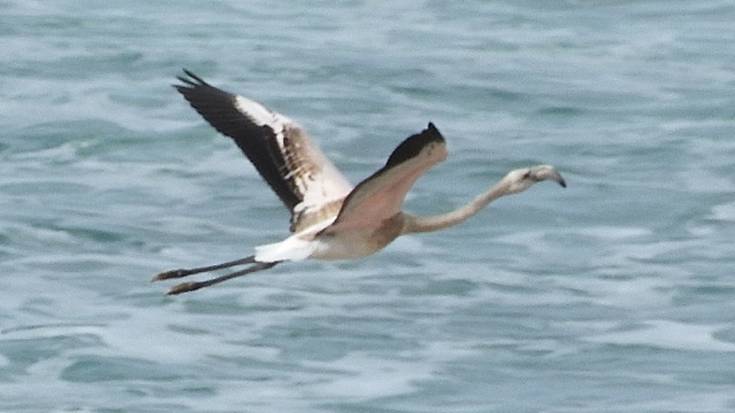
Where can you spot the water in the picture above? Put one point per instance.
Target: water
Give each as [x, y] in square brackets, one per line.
[614, 295]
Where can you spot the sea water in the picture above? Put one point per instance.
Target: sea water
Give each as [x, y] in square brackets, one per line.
[613, 295]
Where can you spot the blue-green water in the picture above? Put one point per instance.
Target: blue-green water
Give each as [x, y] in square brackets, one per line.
[614, 295]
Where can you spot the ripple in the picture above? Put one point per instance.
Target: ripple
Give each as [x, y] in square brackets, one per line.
[93, 369]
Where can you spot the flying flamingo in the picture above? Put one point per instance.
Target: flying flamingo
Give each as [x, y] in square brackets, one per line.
[330, 220]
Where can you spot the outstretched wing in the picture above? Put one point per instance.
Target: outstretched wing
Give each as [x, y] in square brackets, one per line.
[295, 168]
[380, 196]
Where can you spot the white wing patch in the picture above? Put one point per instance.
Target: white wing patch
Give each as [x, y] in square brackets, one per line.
[260, 115]
[314, 177]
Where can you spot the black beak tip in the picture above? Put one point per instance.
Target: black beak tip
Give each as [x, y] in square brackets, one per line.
[563, 183]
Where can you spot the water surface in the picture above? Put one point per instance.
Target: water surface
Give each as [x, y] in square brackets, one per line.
[614, 295]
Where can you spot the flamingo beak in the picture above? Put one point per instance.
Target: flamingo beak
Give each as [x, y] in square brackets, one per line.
[559, 179]
[548, 172]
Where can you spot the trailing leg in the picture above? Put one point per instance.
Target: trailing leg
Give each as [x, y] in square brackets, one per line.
[192, 286]
[166, 275]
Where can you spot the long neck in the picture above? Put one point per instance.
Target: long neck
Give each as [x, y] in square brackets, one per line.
[441, 221]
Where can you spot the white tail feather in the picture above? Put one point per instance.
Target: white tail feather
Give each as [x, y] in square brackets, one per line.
[291, 249]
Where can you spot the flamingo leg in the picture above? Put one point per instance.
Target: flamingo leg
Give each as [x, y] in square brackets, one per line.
[192, 286]
[166, 275]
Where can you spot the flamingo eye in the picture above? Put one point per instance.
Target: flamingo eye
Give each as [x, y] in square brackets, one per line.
[527, 175]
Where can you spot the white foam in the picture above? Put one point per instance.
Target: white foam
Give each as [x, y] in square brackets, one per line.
[613, 233]
[633, 293]
[365, 377]
[668, 334]
[701, 402]
[701, 180]
[39, 233]
[724, 212]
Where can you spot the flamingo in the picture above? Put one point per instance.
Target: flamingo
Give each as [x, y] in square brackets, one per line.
[330, 219]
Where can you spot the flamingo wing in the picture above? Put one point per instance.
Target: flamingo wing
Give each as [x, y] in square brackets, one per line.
[380, 196]
[308, 184]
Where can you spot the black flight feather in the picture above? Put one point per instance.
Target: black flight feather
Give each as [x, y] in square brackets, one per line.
[411, 147]
[258, 143]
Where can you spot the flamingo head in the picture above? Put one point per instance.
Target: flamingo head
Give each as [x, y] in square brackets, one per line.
[519, 180]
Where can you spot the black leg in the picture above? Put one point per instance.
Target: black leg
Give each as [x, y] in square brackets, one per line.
[184, 272]
[192, 286]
